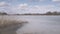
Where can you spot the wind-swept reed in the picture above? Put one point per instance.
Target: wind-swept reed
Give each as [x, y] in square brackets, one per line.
[9, 26]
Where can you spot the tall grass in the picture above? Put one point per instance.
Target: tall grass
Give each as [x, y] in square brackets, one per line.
[9, 26]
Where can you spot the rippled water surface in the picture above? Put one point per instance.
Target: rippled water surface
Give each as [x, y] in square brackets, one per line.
[40, 25]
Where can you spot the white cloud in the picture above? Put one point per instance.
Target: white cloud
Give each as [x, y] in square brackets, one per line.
[3, 4]
[36, 8]
[56, 0]
[22, 6]
[35, 0]
[25, 8]
[41, 9]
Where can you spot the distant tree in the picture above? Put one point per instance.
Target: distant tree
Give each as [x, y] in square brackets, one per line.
[55, 13]
[49, 13]
[3, 13]
[52, 13]
[58, 13]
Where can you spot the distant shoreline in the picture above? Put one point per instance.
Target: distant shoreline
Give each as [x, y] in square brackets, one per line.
[29, 15]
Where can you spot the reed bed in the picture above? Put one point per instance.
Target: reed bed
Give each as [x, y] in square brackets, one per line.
[9, 26]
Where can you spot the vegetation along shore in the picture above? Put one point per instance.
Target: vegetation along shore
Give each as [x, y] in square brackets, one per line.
[9, 26]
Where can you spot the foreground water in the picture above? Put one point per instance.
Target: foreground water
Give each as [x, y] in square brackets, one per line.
[38, 24]
[41, 25]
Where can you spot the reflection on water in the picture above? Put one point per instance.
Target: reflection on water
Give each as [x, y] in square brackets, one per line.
[41, 25]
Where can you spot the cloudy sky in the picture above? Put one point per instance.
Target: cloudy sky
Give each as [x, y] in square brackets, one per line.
[29, 6]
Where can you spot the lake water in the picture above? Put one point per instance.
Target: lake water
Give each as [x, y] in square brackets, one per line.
[39, 24]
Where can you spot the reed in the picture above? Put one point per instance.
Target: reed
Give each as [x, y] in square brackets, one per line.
[9, 26]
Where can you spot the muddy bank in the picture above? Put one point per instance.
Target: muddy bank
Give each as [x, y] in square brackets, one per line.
[9, 26]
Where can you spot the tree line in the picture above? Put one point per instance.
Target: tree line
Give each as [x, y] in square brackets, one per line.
[47, 13]
[3, 13]
[52, 13]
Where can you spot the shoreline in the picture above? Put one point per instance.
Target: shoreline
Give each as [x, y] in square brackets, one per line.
[29, 15]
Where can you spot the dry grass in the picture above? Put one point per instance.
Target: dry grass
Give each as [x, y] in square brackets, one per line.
[6, 22]
[8, 25]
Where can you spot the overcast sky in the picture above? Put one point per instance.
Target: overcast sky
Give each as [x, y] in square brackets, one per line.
[29, 6]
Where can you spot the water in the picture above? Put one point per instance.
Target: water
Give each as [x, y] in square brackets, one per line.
[38, 24]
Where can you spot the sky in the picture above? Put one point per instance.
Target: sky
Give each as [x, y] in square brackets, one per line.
[29, 6]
